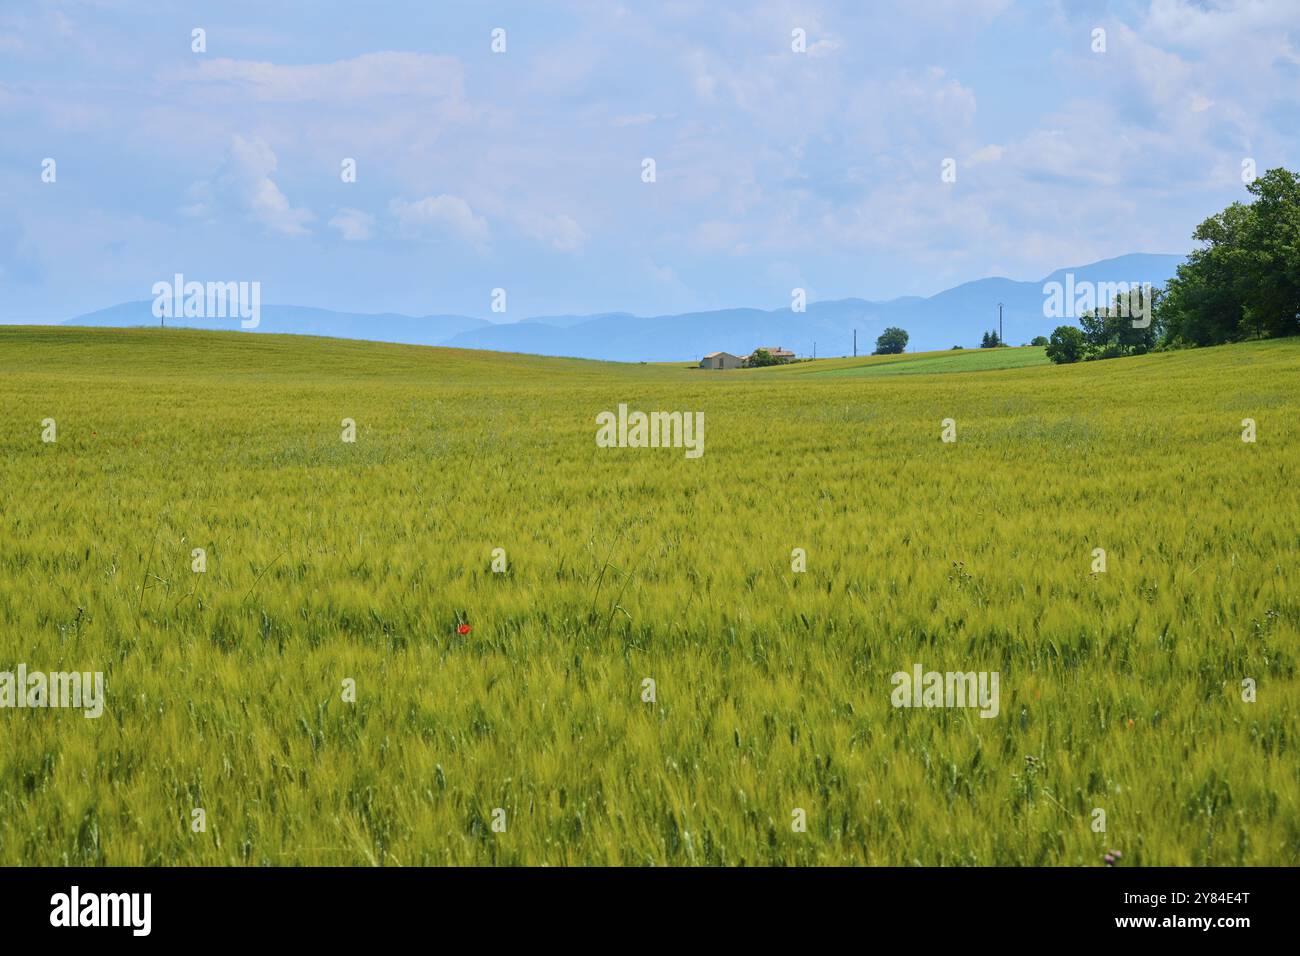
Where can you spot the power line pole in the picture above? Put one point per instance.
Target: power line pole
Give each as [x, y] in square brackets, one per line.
[855, 343]
[1001, 340]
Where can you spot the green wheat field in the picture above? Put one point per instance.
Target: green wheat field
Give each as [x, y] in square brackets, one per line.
[329, 562]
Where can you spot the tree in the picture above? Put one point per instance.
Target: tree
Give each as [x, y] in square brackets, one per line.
[956, 347]
[1272, 292]
[1245, 282]
[892, 341]
[1039, 340]
[1127, 326]
[990, 341]
[762, 358]
[1066, 345]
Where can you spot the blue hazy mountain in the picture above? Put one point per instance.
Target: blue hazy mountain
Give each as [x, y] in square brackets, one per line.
[957, 316]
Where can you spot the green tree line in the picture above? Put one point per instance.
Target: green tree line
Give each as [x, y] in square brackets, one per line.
[1242, 283]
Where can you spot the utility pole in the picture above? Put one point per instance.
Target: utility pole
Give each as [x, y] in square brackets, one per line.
[855, 343]
[1001, 340]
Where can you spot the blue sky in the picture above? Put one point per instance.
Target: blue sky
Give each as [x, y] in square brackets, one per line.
[523, 170]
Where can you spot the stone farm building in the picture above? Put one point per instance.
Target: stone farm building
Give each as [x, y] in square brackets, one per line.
[721, 360]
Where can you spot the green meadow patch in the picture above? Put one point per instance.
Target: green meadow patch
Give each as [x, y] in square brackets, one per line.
[958, 360]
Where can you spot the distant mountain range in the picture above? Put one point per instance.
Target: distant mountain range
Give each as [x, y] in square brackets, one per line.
[958, 316]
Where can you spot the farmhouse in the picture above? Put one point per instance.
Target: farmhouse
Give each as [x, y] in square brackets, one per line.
[721, 360]
[778, 353]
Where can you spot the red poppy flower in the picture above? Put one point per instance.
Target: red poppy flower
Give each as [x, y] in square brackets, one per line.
[463, 629]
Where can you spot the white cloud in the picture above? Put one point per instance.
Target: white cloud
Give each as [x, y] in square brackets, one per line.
[823, 47]
[440, 215]
[560, 232]
[353, 224]
[370, 76]
[1222, 25]
[985, 154]
[665, 274]
[244, 182]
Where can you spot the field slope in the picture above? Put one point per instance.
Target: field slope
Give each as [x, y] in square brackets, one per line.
[330, 563]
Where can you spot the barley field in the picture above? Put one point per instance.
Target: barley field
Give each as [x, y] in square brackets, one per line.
[501, 718]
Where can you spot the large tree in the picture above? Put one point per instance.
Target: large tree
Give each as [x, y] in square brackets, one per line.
[1066, 345]
[892, 341]
[1245, 281]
